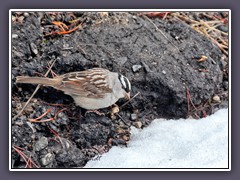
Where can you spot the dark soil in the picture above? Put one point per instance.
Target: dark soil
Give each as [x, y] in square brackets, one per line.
[162, 64]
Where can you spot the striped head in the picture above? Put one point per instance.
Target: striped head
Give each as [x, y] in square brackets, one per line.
[126, 85]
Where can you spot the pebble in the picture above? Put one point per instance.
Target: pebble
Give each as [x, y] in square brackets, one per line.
[18, 54]
[137, 124]
[19, 123]
[47, 159]
[41, 143]
[26, 14]
[126, 138]
[122, 60]
[133, 117]
[13, 18]
[223, 63]
[225, 85]
[216, 99]
[135, 68]
[34, 48]
[14, 36]
[164, 72]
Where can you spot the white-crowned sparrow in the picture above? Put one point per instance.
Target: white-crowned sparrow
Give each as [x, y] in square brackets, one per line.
[91, 89]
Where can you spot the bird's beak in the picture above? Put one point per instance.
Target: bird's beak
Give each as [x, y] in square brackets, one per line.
[127, 96]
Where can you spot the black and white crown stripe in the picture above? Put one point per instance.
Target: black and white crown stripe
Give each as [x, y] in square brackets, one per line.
[125, 83]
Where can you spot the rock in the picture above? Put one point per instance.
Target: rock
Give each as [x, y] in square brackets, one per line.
[18, 54]
[133, 117]
[135, 68]
[121, 61]
[26, 14]
[41, 143]
[14, 18]
[137, 124]
[34, 48]
[225, 85]
[47, 159]
[126, 137]
[14, 36]
[216, 99]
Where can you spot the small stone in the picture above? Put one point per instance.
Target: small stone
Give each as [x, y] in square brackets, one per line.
[13, 18]
[126, 138]
[122, 60]
[133, 117]
[103, 14]
[225, 85]
[14, 36]
[137, 124]
[47, 159]
[223, 63]
[135, 68]
[41, 143]
[34, 48]
[26, 14]
[18, 54]
[216, 99]
[164, 72]
[19, 123]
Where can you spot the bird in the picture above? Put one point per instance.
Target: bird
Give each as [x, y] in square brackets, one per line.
[91, 89]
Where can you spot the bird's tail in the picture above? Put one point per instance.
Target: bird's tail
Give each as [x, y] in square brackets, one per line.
[37, 80]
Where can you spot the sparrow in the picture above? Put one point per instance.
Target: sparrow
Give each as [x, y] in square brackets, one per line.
[91, 89]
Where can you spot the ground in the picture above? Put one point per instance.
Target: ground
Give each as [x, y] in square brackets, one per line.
[176, 67]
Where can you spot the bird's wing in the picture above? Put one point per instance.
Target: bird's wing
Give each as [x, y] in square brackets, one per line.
[91, 83]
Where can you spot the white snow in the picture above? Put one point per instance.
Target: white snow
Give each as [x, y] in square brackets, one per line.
[184, 143]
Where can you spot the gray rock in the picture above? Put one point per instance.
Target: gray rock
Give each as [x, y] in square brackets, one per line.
[41, 143]
[216, 99]
[26, 14]
[14, 36]
[133, 117]
[122, 60]
[47, 159]
[34, 48]
[135, 68]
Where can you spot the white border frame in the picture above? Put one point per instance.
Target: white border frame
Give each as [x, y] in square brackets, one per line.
[117, 10]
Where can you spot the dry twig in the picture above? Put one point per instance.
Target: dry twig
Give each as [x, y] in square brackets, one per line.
[38, 86]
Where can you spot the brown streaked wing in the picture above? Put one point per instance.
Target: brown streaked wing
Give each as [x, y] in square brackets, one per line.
[90, 83]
